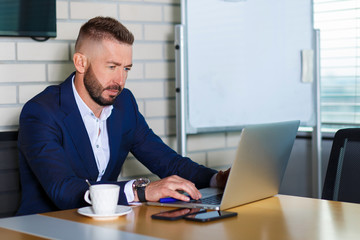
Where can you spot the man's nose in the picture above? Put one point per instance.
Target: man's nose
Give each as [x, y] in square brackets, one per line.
[121, 78]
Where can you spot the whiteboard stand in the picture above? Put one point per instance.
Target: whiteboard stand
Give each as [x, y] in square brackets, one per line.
[180, 90]
[316, 134]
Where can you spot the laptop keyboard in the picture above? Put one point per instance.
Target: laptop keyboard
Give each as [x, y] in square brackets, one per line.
[212, 200]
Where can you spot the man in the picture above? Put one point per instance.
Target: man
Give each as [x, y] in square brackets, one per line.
[85, 127]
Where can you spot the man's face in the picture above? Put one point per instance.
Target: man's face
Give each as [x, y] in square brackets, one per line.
[105, 77]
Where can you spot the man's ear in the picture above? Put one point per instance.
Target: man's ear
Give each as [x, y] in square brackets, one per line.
[80, 62]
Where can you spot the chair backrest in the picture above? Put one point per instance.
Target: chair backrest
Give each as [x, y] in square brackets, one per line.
[9, 175]
[342, 181]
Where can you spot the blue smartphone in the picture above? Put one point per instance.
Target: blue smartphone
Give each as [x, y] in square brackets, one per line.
[210, 216]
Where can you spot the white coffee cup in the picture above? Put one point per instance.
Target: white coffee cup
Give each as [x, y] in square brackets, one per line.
[103, 198]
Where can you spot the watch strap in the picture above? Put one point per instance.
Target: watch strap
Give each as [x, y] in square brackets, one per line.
[139, 186]
[141, 194]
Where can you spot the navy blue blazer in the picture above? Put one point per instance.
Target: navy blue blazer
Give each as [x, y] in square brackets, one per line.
[55, 154]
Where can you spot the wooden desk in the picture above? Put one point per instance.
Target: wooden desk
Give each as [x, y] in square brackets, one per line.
[280, 217]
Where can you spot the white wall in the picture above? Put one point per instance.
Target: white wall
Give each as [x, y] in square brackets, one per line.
[27, 67]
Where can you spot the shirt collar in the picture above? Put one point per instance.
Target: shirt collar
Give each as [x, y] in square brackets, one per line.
[85, 110]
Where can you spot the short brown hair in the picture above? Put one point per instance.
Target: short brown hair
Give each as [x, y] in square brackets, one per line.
[100, 28]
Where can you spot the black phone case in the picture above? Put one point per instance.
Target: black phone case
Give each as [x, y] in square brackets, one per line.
[158, 215]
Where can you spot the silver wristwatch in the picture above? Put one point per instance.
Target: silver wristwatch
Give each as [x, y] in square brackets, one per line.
[139, 186]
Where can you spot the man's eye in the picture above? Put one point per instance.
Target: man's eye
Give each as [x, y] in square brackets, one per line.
[112, 67]
[127, 69]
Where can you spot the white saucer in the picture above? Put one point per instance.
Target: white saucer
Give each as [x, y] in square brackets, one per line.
[120, 210]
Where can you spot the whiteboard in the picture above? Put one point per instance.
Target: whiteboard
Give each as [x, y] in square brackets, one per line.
[243, 61]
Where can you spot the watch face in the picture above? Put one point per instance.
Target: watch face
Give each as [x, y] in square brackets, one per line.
[142, 182]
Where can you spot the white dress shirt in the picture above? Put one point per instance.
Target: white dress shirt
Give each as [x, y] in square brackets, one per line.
[97, 131]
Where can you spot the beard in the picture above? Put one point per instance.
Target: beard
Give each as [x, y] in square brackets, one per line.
[95, 89]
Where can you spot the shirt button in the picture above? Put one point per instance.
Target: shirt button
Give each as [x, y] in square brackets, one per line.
[97, 146]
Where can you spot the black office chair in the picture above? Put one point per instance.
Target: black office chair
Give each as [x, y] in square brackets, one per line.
[10, 192]
[342, 181]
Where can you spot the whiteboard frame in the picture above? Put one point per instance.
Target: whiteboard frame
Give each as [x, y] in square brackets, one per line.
[212, 125]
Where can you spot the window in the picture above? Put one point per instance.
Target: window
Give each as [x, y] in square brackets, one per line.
[339, 24]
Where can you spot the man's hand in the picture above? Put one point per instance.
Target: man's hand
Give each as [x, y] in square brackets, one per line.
[221, 178]
[168, 187]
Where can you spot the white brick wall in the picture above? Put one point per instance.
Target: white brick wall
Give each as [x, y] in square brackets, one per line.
[43, 51]
[27, 67]
[159, 32]
[137, 30]
[148, 89]
[68, 30]
[160, 70]
[7, 51]
[7, 94]
[9, 116]
[212, 141]
[142, 13]
[148, 51]
[89, 9]
[160, 108]
[137, 72]
[57, 72]
[221, 159]
[22, 72]
[172, 14]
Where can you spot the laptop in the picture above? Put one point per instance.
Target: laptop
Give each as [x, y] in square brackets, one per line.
[257, 171]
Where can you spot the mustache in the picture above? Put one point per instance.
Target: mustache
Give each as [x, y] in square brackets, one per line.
[113, 87]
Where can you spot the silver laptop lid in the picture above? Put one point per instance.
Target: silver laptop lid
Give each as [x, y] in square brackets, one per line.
[260, 162]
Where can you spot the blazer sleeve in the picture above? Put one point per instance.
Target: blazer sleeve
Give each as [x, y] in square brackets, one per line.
[160, 159]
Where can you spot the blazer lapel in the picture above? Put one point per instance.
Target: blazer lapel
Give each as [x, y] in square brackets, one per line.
[114, 133]
[76, 128]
